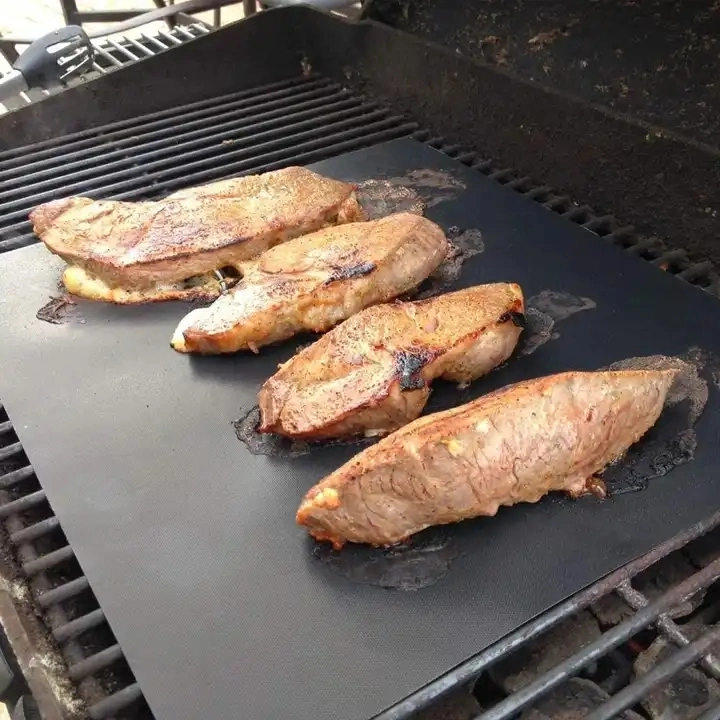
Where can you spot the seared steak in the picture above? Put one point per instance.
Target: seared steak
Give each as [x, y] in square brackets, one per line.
[314, 282]
[137, 252]
[372, 373]
[514, 445]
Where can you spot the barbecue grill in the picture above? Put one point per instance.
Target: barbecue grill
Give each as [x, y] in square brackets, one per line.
[639, 641]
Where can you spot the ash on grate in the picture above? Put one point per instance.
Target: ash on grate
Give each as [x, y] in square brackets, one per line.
[652, 583]
[545, 652]
[688, 693]
[459, 705]
[572, 700]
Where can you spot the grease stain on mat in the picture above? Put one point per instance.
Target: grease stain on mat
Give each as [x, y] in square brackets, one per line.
[380, 198]
[413, 566]
[277, 446]
[672, 441]
[464, 244]
[60, 310]
[544, 312]
[414, 192]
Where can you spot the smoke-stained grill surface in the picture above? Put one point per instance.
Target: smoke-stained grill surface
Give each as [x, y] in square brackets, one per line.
[55, 576]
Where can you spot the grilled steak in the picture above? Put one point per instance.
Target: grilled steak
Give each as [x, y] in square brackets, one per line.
[137, 252]
[314, 282]
[372, 373]
[514, 445]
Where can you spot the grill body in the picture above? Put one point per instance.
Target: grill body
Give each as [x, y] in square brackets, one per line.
[649, 177]
[275, 110]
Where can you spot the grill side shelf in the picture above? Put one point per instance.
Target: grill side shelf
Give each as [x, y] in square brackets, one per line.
[94, 661]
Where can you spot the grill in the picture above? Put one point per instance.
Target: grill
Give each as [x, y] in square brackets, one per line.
[303, 119]
[115, 53]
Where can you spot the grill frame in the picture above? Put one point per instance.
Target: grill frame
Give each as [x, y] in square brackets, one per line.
[37, 564]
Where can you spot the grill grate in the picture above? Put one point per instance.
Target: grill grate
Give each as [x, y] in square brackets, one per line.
[114, 53]
[295, 121]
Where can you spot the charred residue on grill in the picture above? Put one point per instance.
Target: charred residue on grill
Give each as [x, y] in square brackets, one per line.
[464, 245]
[672, 441]
[277, 446]
[513, 316]
[544, 312]
[411, 566]
[60, 310]
[349, 272]
[408, 364]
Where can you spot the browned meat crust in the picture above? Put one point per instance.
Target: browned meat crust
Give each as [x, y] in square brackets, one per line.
[514, 445]
[316, 281]
[142, 246]
[372, 373]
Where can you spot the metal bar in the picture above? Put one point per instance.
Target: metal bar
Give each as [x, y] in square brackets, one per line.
[196, 147]
[712, 713]
[46, 562]
[233, 120]
[9, 450]
[665, 624]
[16, 476]
[5, 426]
[107, 16]
[169, 114]
[79, 625]
[183, 30]
[64, 592]
[96, 662]
[54, 615]
[113, 60]
[174, 40]
[663, 671]
[109, 147]
[609, 640]
[473, 667]
[308, 152]
[163, 127]
[154, 41]
[34, 531]
[123, 50]
[22, 504]
[116, 702]
[285, 146]
[141, 47]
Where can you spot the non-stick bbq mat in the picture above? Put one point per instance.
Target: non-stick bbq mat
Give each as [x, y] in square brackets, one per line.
[222, 605]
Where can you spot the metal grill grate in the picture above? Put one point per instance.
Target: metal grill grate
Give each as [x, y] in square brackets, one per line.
[114, 53]
[296, 121]
[302, 121]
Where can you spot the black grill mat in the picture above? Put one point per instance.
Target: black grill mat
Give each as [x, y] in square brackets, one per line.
[189, 541]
